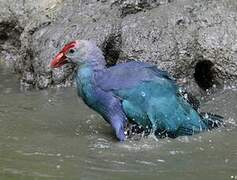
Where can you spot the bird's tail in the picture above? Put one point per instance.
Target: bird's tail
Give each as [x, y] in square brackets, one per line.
[212, 121]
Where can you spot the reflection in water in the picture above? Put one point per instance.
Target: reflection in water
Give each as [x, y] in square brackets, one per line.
[51, 134]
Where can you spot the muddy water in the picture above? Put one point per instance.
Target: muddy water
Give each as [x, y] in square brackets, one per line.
[53, 135]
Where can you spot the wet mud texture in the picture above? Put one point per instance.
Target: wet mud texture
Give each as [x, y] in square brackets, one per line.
[194, 40]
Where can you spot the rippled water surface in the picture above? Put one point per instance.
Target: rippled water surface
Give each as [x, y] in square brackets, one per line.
[51, 134]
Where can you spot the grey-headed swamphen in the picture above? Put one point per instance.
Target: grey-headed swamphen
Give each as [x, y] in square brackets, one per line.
[132, 92]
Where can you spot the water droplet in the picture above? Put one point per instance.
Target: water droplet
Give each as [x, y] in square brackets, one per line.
[172, 152]
[201, 149]
[88, 121]
[161, 160]
[233, 177]
[186, 96]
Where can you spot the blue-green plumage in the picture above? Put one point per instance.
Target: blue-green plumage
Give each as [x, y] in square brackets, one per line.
[155, 105]
[146, 96]
[133, 92]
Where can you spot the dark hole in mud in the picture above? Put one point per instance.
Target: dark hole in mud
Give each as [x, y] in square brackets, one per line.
[111, 49]
[205, 74]
[10, 33]
[10, 42]
[3, 36]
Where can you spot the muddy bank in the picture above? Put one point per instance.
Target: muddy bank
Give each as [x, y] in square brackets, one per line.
[194, 40]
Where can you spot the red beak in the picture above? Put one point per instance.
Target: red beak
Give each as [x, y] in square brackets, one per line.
[59, 60]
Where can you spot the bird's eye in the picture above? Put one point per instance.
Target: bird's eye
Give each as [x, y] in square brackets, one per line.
[71, 51]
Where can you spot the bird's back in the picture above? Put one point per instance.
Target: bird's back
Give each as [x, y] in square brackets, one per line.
[155, 105]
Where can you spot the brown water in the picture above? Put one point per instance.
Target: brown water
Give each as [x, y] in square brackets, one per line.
[51, 134]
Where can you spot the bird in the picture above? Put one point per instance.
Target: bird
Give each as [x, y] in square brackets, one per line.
[133, 92]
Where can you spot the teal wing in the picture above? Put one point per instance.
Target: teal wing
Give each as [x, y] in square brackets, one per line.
[154, 106]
